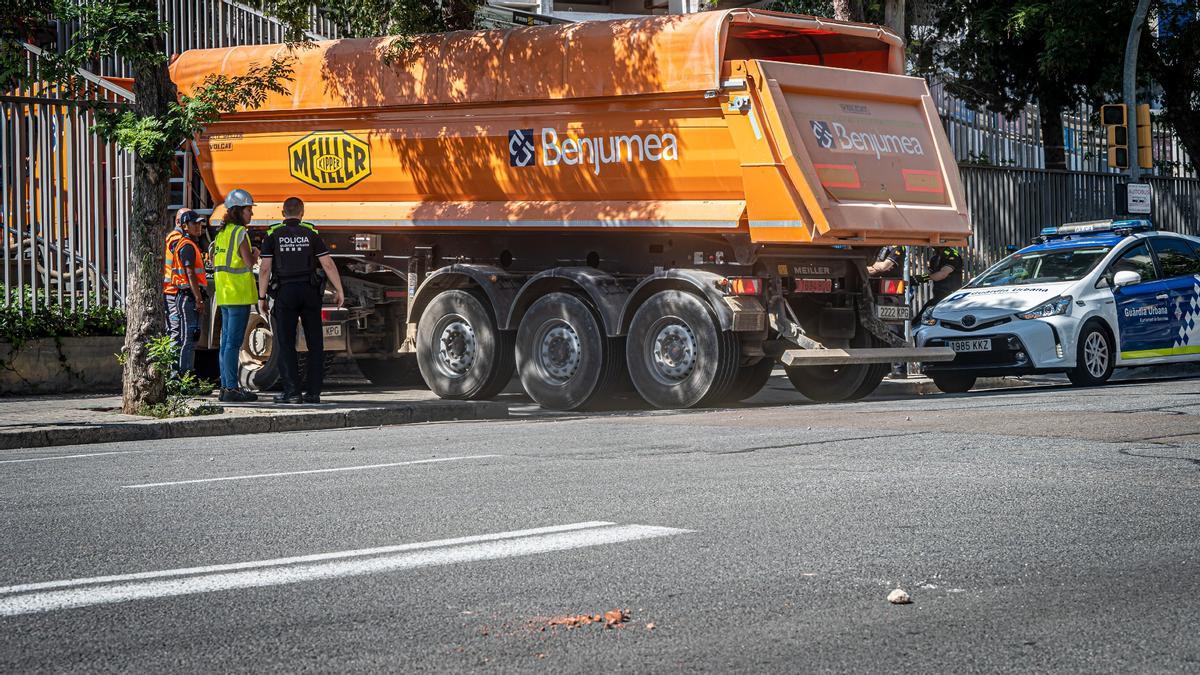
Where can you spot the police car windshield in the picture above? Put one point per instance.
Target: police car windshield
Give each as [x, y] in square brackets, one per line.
[1042, 267]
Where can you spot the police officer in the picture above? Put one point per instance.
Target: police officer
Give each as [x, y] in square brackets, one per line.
[291, 256]
[947, 275]
[235, 289]
[889, 262]
[188, 286]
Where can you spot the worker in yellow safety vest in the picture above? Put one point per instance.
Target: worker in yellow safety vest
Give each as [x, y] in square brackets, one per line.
[187, 290]
[233, 261]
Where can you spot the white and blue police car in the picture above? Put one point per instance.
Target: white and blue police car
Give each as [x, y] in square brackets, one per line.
[1083, 299]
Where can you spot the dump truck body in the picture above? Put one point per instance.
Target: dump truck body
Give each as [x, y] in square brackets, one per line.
[749, 159]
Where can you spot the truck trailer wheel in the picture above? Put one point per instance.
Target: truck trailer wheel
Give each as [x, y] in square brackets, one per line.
[678, 356]
[401, 371]
[564, 360]
[953, 383]
[750, 380]
[461, 353]
[849, 382]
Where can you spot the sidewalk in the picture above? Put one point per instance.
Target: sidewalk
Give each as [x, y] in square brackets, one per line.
[42, 421]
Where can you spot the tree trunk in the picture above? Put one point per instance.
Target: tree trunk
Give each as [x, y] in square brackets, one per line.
[849, 10]
[1052, 135]
[893, 16]
[148, 229]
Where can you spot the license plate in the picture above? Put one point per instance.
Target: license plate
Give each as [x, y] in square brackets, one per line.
[814, 285]
[894, 312]
[970, 345]
[333, 331]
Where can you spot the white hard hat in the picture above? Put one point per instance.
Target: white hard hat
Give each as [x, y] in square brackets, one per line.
[238, 197]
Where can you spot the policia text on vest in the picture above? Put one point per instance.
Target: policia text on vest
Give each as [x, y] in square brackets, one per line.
[291, 256]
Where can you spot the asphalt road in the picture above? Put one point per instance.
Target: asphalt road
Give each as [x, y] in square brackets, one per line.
[1035, 530]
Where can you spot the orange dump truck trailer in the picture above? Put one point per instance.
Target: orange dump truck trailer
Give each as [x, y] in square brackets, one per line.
[674, 201]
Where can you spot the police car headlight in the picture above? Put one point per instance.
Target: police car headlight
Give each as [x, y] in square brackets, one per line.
[1057, 306]
[927, 317]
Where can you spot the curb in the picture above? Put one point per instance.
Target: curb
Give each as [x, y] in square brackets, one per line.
[191, 427]
[923, 386]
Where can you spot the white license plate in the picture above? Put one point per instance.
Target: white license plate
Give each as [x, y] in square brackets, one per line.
[333, 331]
[970, 345]
[894, 312]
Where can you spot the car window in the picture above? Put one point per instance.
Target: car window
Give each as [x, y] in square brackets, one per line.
[1135, 259]
[1176, 257]
[1044, 266]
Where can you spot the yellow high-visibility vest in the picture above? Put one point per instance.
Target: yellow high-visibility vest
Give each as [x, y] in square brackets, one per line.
[232, 274]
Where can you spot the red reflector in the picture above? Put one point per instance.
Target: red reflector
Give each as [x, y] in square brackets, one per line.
[745, 286]
[891, 286]
[326, 314]
[814, 285]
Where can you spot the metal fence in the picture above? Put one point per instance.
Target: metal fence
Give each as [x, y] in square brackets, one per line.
[64, 199]
[1010, 206]
[987, 138]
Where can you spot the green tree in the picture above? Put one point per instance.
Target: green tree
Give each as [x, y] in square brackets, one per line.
[1007, 54]
[159, 121]
[1174, 63]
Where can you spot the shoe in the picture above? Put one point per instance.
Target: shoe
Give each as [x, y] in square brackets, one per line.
[311, 398]
[288, 398]
[247, 396]
[229, 396]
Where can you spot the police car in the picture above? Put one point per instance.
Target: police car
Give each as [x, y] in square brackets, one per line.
[1083, 299]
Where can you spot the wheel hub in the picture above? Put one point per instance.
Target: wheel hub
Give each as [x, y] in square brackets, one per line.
[456, 347]
[1095, 354]
[674, 352]
[560, 353]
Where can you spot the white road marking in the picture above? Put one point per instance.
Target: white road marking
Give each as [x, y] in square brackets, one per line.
[283, 571]
[316, 557]
[300, 473]
[90, 454]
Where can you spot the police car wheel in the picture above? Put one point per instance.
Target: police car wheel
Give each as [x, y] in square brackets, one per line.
[461, 353]
[564, 359]
[677, 354]
[953, 383]
[1094, 357]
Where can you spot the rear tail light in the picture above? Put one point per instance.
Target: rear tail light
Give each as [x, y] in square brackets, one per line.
[891, 286]
[742, 285]
[333, 314]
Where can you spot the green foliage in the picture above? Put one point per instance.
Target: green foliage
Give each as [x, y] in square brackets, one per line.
[53, 319]
[180, 388]
[112, 28]
[1006, 54]
[1175, 63]
[810, 7]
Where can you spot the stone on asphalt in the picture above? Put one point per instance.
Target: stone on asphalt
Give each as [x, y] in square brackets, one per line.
[899, 597]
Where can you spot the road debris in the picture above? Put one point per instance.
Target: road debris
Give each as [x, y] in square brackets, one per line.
[650, 626]
[613, 618]
[899, 597]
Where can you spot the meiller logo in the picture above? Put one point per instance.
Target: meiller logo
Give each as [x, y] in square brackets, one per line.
[828, 133]
[595, 151]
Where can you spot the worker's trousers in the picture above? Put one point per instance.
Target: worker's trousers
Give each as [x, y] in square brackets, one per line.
[299, 301]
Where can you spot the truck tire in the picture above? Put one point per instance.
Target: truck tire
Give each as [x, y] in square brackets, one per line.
[953, 383]
[394, 372]
[850, 382]
[258, 360]
[678, 356]
[564, 360]
[461, 352]
[1094, 357]
[750, 380]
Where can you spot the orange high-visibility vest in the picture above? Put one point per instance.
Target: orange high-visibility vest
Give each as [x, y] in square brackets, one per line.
[179, 273]
[168, 286]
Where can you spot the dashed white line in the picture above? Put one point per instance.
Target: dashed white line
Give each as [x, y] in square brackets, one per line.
[306, 472]
[81, 592]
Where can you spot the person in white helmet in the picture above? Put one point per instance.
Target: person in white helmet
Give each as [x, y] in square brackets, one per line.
[236, 292]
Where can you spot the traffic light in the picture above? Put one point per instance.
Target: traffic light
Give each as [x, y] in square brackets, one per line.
[1144, 147]
[1116, 124]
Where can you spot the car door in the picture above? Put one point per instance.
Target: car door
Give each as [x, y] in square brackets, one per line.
[1180, 268]
[1143, 309]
